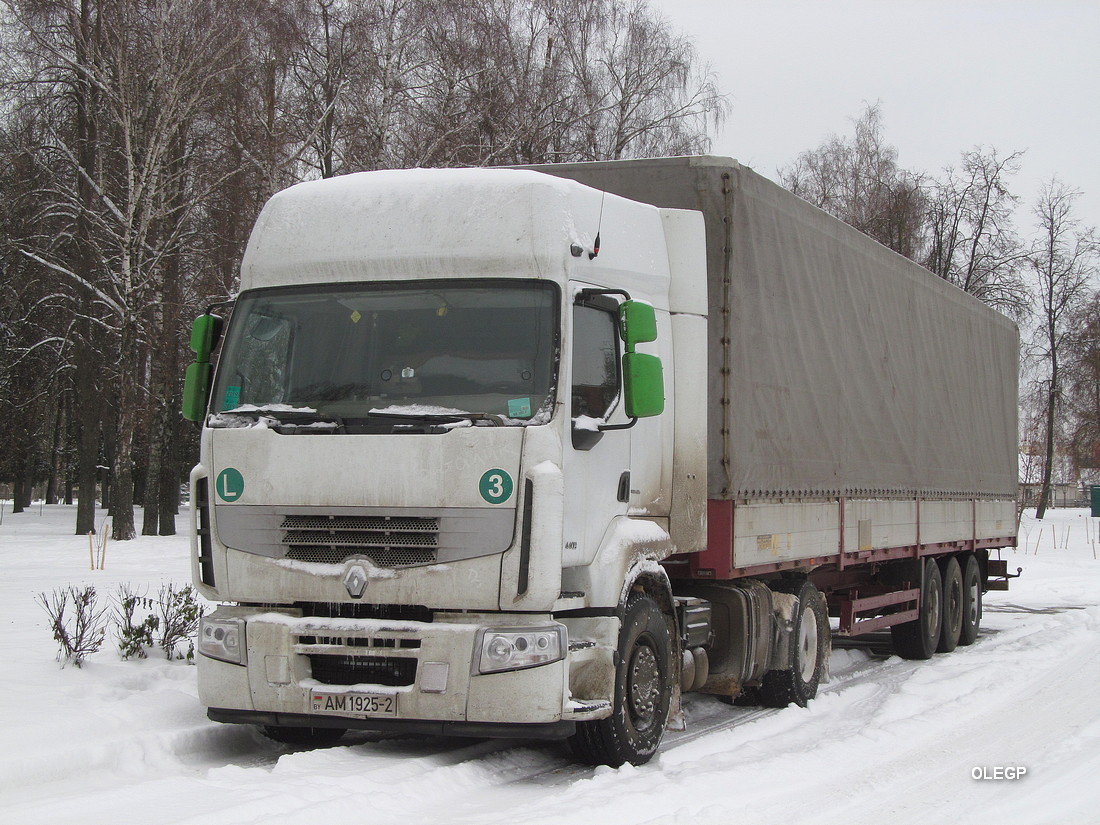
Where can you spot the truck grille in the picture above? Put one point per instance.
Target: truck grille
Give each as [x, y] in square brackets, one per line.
[388, 541]
[354, 670]
[359, 610]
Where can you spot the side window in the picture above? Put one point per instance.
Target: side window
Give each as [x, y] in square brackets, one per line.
[595, 362]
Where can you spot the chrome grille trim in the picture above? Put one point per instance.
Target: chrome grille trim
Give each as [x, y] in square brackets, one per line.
[380, 557]
[387, 537]
[403, 524]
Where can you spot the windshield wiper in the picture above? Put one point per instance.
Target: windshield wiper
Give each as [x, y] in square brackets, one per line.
[291, 418]
[453, 418]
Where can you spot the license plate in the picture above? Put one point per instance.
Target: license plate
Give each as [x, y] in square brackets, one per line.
[354, 704]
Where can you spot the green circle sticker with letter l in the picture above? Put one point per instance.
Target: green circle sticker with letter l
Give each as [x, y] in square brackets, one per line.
[230, 484]
[495, 486]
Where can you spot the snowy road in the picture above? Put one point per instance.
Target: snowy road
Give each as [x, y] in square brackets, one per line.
[887, 741]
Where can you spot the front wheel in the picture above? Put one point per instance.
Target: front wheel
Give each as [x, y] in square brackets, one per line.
[810, 644]
[643, 691]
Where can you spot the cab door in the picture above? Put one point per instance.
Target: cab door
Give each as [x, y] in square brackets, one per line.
[597, 461]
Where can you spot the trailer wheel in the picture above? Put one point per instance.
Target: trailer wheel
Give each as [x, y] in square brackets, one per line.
[304, 737]
[952, 604]
[810, 644]
[971, 600]
[919, 638]
[643, 692]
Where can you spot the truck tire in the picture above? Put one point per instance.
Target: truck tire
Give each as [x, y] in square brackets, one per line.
[919, 638]
[643, 692]
[971, 600]
[810, 644]
[304, 737]
[952, 621]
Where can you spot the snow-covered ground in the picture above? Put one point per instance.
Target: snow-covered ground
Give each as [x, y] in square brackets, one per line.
[887, 741]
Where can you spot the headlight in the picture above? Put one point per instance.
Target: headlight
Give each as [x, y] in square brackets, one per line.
[514, 648]
[222, 639]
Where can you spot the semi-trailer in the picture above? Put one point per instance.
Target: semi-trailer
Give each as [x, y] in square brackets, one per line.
[532, 452]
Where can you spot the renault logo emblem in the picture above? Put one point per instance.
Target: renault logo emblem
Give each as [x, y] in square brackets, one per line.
[355, 580]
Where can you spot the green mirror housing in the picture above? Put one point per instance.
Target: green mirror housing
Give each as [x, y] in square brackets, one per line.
[196, 390]
[637, 323]
[643, 385]
[205, 333]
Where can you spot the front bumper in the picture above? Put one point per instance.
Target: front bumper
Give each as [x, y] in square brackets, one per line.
[424, 665]
[419, 727]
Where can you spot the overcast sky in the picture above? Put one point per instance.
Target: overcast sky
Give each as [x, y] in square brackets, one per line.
[949, 74]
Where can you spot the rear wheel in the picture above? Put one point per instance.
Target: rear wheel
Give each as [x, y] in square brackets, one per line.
[952, 604]
[643, 691]
[971, 600]
[919, 638]
[810, 644]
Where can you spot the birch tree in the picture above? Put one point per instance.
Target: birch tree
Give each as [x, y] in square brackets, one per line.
[150, 134]
[140, 75]
[858, 180]
[972, 241]
[1064, 267]
[1082, 381]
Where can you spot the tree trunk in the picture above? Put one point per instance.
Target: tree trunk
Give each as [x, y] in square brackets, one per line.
[128, 406]
[87, 469]
[88, 410]
[151, 498]
[170, 471]
[122, 494]
[17, 496]
[1048, 464]
[54, 480]
[169, 492]
[106, 491]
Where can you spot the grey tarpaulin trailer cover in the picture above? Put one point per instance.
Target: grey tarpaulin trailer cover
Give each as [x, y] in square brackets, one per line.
[836, 366]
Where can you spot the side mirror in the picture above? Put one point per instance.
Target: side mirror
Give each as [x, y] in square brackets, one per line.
[196, 390]
[637, 323]
[643, 385]
[205, 333]
[643, 375]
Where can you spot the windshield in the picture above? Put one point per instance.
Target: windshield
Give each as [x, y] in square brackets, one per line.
[425, 350]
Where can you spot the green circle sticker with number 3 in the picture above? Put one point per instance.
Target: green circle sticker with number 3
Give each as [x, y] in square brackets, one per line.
[495, 486]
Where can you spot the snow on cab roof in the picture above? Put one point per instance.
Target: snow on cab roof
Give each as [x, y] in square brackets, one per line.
[417, 223]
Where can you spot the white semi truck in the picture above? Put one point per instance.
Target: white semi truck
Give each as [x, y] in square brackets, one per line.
[531, 452]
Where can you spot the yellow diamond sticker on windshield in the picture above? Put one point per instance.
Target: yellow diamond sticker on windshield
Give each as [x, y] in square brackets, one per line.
[356, 316]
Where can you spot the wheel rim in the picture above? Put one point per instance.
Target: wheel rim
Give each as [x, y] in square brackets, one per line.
[974, 596]
[807, 646]
[933, 610]
[645, 687]
[954, 603]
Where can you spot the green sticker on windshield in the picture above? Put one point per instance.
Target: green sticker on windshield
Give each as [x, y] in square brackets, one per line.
[519, 408]
[495, 486]
[232, 398]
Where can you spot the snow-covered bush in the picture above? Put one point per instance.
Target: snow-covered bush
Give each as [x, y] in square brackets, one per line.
[133, 638]
[180, 612]
[81, 633]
